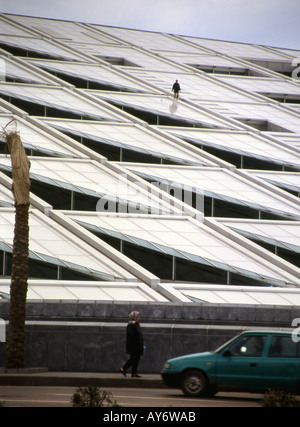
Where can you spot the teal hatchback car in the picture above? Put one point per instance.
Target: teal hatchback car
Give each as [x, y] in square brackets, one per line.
[253, 362]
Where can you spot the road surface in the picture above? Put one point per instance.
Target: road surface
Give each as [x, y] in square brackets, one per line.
[35, 396]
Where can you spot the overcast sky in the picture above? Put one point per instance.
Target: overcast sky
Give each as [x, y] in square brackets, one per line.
[267, 22]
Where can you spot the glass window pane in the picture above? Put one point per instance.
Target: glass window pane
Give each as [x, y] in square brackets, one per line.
[249, 346]
[284, 347]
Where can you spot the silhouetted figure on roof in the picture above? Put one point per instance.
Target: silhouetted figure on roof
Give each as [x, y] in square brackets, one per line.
[176, 89]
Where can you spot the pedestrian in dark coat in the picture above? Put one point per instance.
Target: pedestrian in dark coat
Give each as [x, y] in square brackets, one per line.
[134, 344]
[176, 89]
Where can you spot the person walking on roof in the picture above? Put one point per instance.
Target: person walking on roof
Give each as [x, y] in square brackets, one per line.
[134, 344]
[176, 89]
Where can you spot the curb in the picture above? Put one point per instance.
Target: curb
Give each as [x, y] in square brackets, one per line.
[65, 379]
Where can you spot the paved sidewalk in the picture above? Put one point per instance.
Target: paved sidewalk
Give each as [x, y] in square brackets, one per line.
[41, 377]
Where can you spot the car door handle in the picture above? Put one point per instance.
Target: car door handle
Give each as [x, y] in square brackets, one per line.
[253, 364]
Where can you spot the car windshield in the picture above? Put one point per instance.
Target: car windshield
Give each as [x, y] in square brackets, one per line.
[225, 345]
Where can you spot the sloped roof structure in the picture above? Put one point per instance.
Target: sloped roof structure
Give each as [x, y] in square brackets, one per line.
[135, 195]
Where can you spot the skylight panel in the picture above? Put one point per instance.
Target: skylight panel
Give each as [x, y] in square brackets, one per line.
[226, 294]
[149, 40]
[197, 60]
[8, 28]
[94, 73]
[291, 52]
[240, 50]
[216, 250]
[195, 86]
[289, 181]
[62, 30]
[126, 294]
[88, 291]
[14, 71]
[279, 116]
[59, 98]
[221, 184]
[47, 236]
[278, 233]
[6, 197]
[131, 58]
[240, 143]
[40, 46]
[50, 292]
[262, 85]
[35, 139]
[57, 29]
[131, 137]
[162, 105]
[92, 178]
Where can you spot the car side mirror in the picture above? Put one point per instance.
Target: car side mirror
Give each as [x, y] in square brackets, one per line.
[227, 353]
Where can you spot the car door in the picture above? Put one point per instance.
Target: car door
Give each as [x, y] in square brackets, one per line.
[241, 364]
[282, 366]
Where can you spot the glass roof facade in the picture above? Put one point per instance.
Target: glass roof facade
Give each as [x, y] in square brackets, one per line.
[135, 195]
[88, 72]
[162, 106]
[6, 196]
[263, 85]
[132, 138]
[93, 179]
[241, 50]
[280, 233]
[91, 291]
[179, 238]
[15, 71]
[57, 98]
[234, 295]
[242, 143]
[221, 184]
[54, 245]
[287, 180]
[37, 140]
[37, 45]
[278, 115]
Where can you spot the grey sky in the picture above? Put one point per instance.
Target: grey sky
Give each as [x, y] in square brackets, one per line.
[268, 22]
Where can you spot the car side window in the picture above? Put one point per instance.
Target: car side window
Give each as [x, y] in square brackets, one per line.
[249, 346]
[284, 347]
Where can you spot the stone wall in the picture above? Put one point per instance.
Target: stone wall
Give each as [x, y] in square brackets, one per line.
[260, 315]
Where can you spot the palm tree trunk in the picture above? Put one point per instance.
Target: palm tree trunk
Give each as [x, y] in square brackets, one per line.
[15, 345]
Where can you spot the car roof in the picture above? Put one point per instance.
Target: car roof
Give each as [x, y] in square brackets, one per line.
[268, 331]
